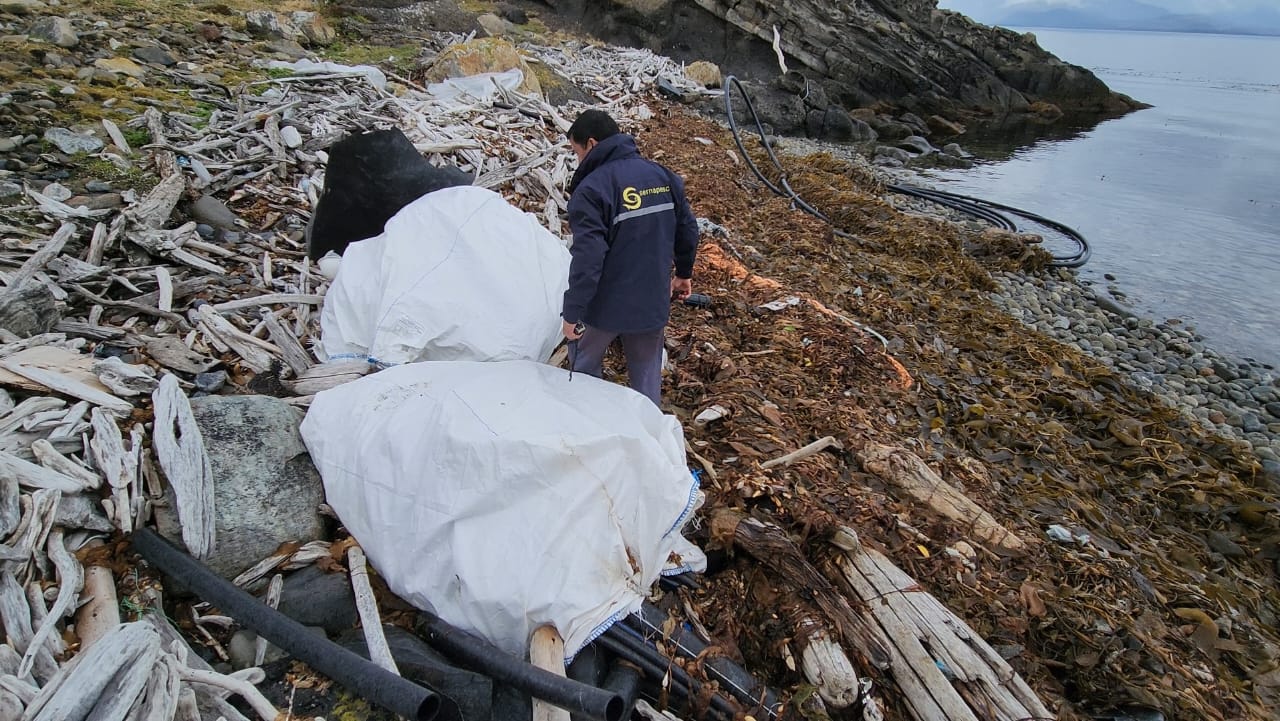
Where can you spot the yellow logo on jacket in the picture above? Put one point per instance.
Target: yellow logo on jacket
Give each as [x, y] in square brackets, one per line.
[632, 198]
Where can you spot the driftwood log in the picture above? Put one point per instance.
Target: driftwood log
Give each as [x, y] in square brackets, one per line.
[904, 471]
[944, 669]
[101, 610]
[772, 547]
[180, 450]
[367, 607]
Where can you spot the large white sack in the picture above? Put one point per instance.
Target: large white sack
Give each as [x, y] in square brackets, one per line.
[458, 274]
[503, 496]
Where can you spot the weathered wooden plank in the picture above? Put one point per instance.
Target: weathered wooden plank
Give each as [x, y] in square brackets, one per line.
[367, 607]
[269, 299]
[10, 510]
[546, 651]
[295, 356]
[256, 354]
[180, 450]
[937, 658]
[106, 678]
[324, 376]
[174, 354]
[33, 264]
[15, 614]
[68, 385]
[31, 475]
[77, 366]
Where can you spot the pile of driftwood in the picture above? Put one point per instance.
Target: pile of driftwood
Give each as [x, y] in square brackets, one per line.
[95, 422]
[78, 459]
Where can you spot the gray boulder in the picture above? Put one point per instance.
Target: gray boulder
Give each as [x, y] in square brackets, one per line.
[833, 123]
[266, 490]
[54, 30]
[891, 129]
[29, 310]
[916, 144]
[208, 209]
[916, 122]
[154, 55]
[73, 143]
[323, 600]
[898, 154]
[862, 132]
[80, 511]
[267, 24]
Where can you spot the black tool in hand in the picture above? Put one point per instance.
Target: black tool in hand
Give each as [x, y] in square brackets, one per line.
[578, 328]
[697, 300]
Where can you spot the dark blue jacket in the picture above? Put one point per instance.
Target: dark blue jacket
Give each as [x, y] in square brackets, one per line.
[631, 223]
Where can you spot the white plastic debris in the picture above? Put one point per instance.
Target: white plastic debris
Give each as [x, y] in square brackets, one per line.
[714, 413]
[781, 304]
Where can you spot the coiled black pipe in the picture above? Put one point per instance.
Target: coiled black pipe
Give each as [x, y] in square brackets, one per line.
[984, 210]
[991, 212]
[483, 657]
[347, 668]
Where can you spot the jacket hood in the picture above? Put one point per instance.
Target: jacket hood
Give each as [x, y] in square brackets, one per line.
[614, 147]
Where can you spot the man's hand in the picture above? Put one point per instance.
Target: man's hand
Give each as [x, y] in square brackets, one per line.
[681, 288]
[570, 331]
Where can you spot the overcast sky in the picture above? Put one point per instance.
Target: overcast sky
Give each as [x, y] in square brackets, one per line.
[1179, 6]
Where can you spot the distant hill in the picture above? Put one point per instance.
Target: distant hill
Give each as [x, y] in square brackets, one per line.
[1241, 18]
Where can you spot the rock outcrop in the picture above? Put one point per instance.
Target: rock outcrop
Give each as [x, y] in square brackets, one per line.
[908, 55]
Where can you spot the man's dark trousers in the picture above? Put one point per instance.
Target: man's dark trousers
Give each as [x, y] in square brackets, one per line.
[643, 352]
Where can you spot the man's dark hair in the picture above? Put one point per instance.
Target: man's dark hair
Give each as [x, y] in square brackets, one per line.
[592, 124]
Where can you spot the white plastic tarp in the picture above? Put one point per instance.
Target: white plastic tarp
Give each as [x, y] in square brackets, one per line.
[503, 496]
[458, 274]
[481, 86]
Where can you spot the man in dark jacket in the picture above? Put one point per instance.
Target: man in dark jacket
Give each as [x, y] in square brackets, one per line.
[631, 224]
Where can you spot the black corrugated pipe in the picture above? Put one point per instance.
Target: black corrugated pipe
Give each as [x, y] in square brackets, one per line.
[347, 668]
[483, 657]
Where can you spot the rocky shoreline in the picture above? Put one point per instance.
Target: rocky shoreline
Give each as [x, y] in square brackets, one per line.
[1238, 398]
[1235, 397]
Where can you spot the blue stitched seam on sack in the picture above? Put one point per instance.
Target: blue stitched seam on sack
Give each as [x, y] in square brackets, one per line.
[686, 568]
[596, 632]
[688, 507]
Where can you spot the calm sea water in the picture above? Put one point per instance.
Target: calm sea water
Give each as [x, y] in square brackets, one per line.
[1181, 202]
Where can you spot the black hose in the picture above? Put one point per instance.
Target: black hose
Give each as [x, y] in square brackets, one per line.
[624, 680]
[349, 669]
[990, 212]
[984, 210]
[481, 656]
[664, 674]
[730, 83]
[644, 651]
[589, 667]
[650, 623]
